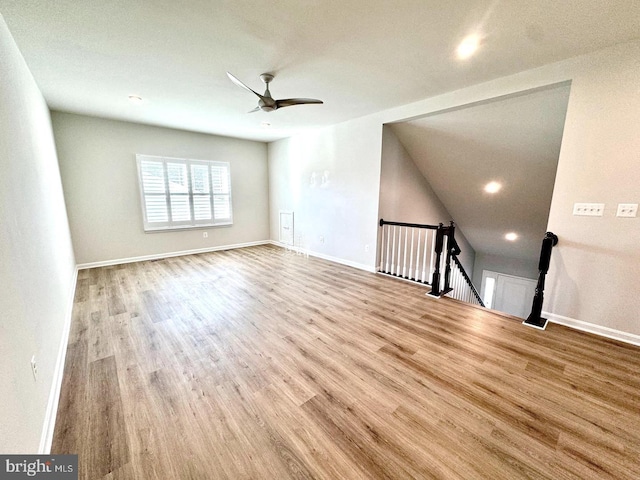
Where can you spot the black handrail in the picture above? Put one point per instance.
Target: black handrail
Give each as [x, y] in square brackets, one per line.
[413, 225]
[468, 280]
[455, 251]
[455, 248]
[549, 241]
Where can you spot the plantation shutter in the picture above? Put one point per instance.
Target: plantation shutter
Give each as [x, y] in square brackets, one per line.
[221, 192]
[181, 193]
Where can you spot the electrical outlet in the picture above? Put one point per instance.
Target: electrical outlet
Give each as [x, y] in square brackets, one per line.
[205, 234]
[321, 239]
[366, 248]
[627, 210]
[588, 209]
[34, 367]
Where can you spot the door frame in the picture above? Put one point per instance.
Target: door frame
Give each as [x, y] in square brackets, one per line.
[494, 275]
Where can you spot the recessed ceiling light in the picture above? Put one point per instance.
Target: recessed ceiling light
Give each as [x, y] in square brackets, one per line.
[492, 187]
[511, 236]
[135, 99]
[265, 125]
[468, 47]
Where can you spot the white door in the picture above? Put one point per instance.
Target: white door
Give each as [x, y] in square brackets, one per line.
[286, 227]
[514, 295]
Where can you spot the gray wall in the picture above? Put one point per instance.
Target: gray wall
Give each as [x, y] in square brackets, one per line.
[406, 196]
[98, 167]
[519, 267]
[36, 258]
[595, 269]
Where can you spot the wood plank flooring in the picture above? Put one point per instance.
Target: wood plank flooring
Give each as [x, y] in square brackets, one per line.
[262, 364]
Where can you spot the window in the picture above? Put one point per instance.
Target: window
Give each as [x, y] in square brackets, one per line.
[488, 287]
[489, 290]
[179, 193]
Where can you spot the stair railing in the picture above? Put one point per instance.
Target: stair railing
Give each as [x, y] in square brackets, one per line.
[535, 319]
[408, 250]
[462, 287]
[425, 254]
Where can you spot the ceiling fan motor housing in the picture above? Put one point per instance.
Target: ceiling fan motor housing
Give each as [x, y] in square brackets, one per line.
[266, 78]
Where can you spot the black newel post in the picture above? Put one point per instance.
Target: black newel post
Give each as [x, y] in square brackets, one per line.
[435, 279]
[535, 320]
[447, 271]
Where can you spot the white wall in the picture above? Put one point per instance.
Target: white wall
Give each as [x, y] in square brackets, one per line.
[344, 210]
[36, 258]
[595, 272]
[98, 166]
[406, 196]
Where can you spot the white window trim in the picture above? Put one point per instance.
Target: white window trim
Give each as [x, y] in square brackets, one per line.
[151, 227]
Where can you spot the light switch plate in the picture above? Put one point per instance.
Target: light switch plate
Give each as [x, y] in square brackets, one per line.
[588, 209]
[627, 210]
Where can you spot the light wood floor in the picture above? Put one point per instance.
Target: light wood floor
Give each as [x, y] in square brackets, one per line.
[258, 363]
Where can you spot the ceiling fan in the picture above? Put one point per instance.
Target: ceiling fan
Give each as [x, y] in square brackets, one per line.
[267, 103]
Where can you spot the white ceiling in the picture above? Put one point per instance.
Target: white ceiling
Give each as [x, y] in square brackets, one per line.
[359, 56]
[514, 141]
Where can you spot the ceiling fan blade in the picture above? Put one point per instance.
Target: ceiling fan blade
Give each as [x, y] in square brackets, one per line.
[289, 102]
[242, 85]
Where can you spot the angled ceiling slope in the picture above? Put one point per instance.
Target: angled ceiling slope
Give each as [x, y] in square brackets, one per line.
[515, 141]
[359, 56]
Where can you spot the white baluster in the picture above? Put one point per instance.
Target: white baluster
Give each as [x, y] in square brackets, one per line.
[386, 268]
[381, 265]
[416, 274]
[393, 250]
[411, 256]
[398, 251]
[404, 261]
[433, 254]
[424, 257]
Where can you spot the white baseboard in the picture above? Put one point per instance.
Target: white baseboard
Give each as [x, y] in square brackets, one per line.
[341, 261]
[593, 328]
[157, 256]
[46, 437]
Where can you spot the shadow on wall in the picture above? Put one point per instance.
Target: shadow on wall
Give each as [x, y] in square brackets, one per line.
[563, 294]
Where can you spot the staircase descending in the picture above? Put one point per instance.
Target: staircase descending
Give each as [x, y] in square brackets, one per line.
[425, 254]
